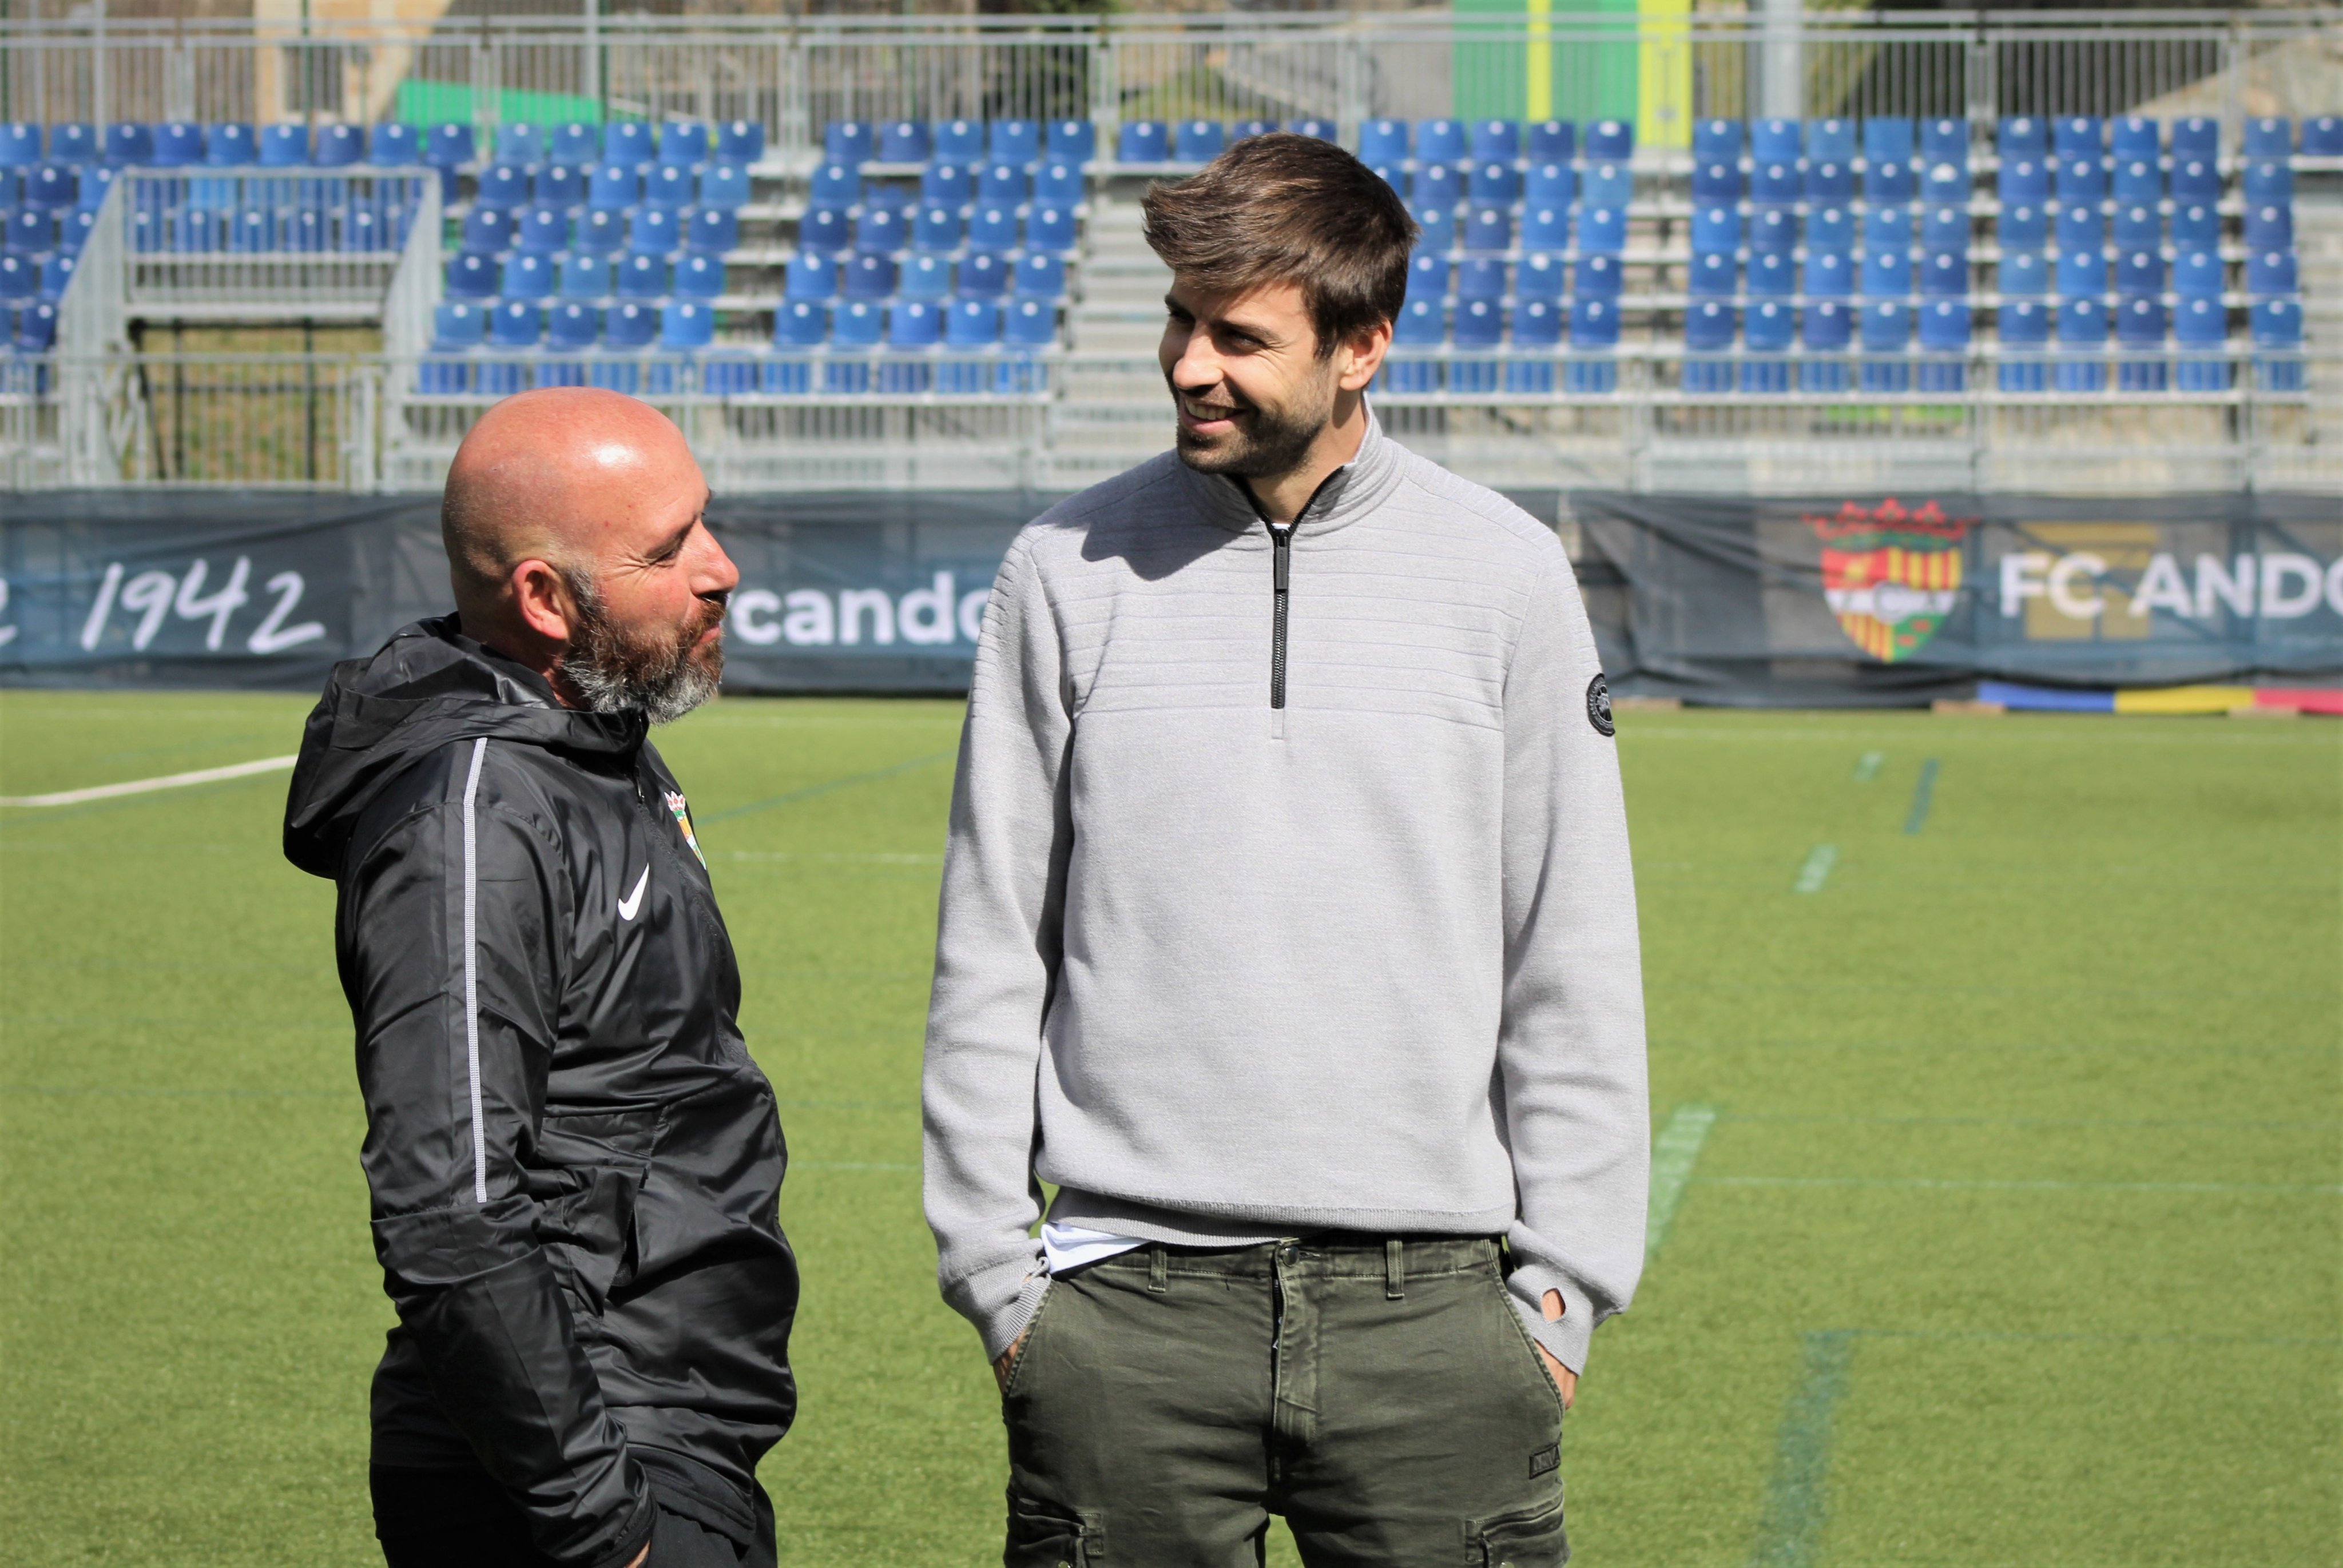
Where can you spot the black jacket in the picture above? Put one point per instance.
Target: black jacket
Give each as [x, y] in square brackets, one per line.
[574, 1163]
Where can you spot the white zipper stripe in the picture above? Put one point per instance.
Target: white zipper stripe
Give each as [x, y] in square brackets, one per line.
[472, 974]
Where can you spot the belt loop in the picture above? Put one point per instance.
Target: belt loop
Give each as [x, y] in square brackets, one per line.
[1394, 1271]
[1159, 1271]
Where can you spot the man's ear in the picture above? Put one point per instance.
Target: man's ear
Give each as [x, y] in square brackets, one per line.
[542, 598]
[1362, 355]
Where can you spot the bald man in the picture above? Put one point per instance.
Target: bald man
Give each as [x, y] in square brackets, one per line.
[574, 1163]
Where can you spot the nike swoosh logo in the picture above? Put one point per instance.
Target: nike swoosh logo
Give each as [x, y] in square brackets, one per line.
[634, 901]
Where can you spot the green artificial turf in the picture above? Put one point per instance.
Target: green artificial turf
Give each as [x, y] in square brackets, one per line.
[2001, 1164]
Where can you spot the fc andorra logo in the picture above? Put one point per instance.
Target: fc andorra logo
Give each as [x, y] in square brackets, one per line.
[1891, 574]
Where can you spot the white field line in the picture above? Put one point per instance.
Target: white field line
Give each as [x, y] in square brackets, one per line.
[1817, 869]
[1674, 1153]
[143, 785]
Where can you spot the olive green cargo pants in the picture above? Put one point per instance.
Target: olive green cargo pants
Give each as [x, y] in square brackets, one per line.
[1381, 1395]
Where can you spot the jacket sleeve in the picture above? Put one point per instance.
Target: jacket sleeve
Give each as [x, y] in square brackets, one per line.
[455, 922]
[997, 947]
[1570, 1051]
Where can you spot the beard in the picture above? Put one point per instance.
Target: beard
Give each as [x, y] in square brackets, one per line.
[617, 669]
[1266, 439]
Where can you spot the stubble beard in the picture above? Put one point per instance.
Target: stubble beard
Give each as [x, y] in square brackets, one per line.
[1266, 439]
[615, 669]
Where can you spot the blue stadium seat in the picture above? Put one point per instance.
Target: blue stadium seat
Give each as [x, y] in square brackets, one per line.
[2197, 138]
[2277, 328]
[1945, 227]
[2022, 226]
[1888, 225]
[472, 275]
[1540, 277]
[1709, 327]
[627, 328]
[971, 327]
[992, 229]
[1597, 277]
[1039, 277]
[502, 184]
[2023, 179]
[1245, 130]
[1944, 184]
[1887, 271]
[1051, 229]
[2268, 182]
[1944, 327]
[984, 275]
[1553, 184]
[724, 186]
[2076, 137]
[1536, 334]
[613, 186]
[1830, 228]
[1610, 140]
[1059, 182]
[712, 231]
[177, 145]
[197, 229]
[73, 229]
[631, 142]
[653, 231]
[20, 144]
[2080, 226]
[1383, 141]
[1481, 277]
[667, 185]
[2138, 225]
[836, 184]
[1830, 275]
[1070, 142]
[542, 230]
[2080, 179]
[1712, 274]
[2269, 136]
[848, 142]
[1013, 142]
[73, 143]
[1443, 141]
[935, 227]
[1775, 182]
[1887, 139]
[1831, 140]
[1435, 185]
[2198, 274]
[1766, 330]
[1142, 142]
[528, 275]
[1550, 140]
[1320, 130]
[1886, 330]
[448, 146]
[20, 277]
[2023, 326]
[1945, 141]
[229, 144]
[1889, 179]
[1487, 230]
[56, 274]
[2021, 272]
[1589, 370]
[2196, 226]
[1493, 183]
[1777, 141]
[2082, 340]
[1003, 183]
[683, 143]
[128, 144]
[811, 276]
[1603, 230]
[2269, 226]
[1607, 184]
[957, 141]
[487, 229]
[948, 183]
[1772, 274]
[641, 275]
[2196, 180]
[2139, 332]
[1478, 329]
[1715, 227]
[585, 274]
[740, 141]
[2135, 136]
[1943, 273]
[2322, 136]
[2139, 272]
[2203, 325]
[926, 276]
[363, 230]
[1436, 227]
[253, 230]
[599, 230]
[1824, 329]
[1427, 276]
[52, 186]
[913, 327]
[1199, 141]
[2082, 273]
[699, 275]
[578, 144]
[880, 231]
[1421, 324]
[520, 143]
[1497, 141]
[2270, 273]
[867, 274]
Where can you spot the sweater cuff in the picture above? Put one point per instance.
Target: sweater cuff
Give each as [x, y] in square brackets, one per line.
[1001, 1299]
[1568, 1340]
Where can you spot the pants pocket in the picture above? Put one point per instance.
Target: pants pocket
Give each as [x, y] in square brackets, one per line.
[1043, 1535]
[1532, 1538]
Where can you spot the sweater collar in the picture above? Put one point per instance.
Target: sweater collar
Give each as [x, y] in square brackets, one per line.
[1347, 493]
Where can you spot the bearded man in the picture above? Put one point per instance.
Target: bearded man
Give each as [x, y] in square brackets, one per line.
[574, 1163]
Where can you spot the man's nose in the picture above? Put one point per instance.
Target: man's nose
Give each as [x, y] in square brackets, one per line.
[1198, 368]
[716, 574]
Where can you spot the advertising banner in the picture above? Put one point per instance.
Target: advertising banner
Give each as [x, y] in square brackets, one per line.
[1829, 600]
[1840, 600]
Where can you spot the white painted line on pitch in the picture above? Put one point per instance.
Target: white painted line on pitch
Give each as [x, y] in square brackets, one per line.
[1867, 767]
[1674, 1151]
[1817, 869]
[142, 786]
[2318, 1189]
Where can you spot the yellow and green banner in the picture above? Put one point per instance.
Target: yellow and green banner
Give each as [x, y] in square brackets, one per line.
[1610, 59]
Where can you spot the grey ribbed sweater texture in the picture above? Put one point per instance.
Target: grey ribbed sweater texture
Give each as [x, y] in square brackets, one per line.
[1223, 972]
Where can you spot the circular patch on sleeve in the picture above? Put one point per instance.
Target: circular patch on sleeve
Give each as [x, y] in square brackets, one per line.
[1598, 705]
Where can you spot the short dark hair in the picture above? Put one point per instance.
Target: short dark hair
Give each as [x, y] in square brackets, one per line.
[1286, 208]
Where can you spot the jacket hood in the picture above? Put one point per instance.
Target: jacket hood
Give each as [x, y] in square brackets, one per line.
[427, 686]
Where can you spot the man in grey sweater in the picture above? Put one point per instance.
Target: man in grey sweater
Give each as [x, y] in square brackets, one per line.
[1288, 930]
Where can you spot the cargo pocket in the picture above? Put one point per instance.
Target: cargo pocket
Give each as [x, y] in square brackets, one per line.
[1532, 1538]
[1043, 1535]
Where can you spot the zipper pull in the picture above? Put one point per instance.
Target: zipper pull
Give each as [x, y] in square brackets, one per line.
[1282, 537]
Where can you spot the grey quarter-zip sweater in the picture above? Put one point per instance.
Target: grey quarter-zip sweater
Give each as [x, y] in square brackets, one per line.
[1287, 891]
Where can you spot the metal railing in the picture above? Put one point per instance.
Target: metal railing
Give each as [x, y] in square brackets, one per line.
[761, 421]
[794, 74]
